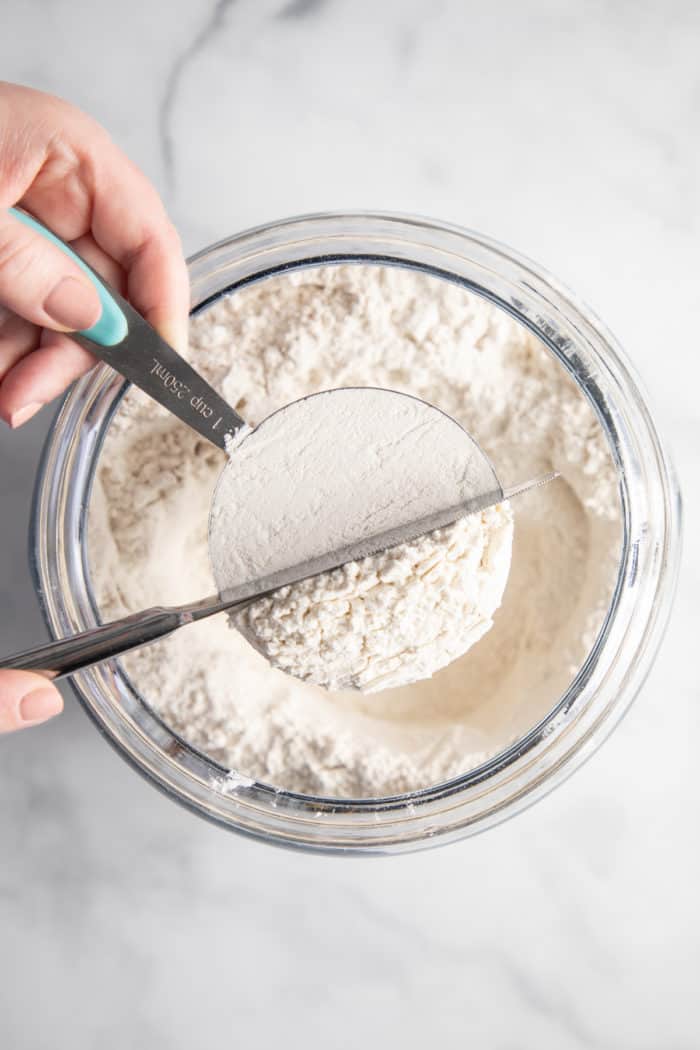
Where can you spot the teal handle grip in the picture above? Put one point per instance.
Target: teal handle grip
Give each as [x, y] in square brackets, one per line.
[112, 327]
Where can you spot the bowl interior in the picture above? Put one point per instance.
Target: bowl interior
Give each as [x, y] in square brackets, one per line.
[598, 694]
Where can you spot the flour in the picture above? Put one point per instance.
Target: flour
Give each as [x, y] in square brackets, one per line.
[349, 464]
[393, 618]
[295, 334]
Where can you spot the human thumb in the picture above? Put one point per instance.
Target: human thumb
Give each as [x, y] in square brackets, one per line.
[42, 284]
[26, 699]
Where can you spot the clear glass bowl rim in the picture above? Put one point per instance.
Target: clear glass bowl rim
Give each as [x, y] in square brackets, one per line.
[595, 700]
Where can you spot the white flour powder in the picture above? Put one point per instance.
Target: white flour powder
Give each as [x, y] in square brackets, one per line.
[349, 464]
[296, 334]
[393, 618]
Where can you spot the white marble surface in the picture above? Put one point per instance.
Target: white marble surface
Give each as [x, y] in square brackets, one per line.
[571, 131]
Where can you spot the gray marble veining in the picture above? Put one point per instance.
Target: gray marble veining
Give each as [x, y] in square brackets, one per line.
[213, 25]
[569, 130]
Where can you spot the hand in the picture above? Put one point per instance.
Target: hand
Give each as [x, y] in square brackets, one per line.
[63, 168]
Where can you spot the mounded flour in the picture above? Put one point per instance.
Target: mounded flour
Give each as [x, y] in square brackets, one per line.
[361, 325]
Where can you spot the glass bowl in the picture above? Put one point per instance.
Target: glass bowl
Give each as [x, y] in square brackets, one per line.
[603, 688]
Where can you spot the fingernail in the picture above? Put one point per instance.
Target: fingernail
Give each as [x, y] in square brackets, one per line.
[40, 705]
[23, 414]
[73, 304]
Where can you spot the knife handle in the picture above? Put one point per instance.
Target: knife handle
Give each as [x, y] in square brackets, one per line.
[67, 655]
[112, 327]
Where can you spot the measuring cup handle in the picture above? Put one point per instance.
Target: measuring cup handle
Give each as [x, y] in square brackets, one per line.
[112, 327]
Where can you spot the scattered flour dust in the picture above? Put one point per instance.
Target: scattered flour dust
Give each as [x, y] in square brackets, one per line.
[296, 334]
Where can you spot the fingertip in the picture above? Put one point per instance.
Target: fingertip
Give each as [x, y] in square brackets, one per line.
[159, 287]
[40, 705]
[23, 415]
[73, 305]
[26, 699]
[39, 282]
[174, 330]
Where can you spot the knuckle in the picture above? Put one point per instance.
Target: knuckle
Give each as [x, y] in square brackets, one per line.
[16, 255]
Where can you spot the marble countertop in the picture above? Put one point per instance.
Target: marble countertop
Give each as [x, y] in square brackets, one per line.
[570, 130]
